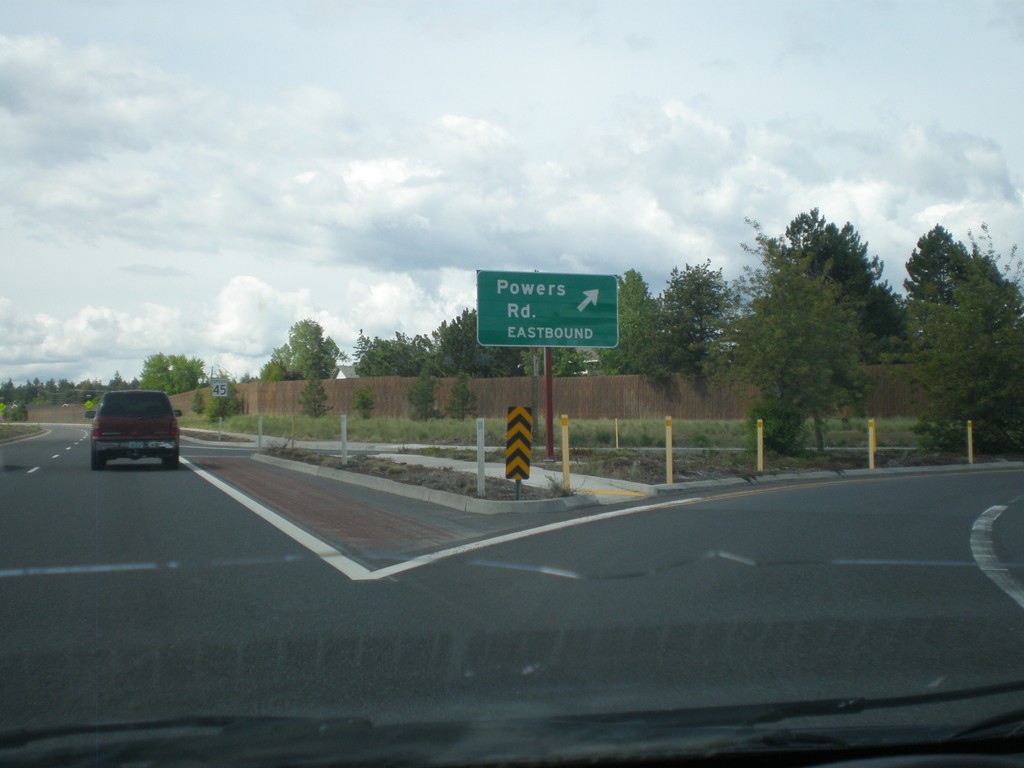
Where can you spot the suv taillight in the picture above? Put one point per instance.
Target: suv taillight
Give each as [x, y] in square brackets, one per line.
[174, 427]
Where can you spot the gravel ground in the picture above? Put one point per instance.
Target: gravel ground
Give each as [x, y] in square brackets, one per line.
[450, 480]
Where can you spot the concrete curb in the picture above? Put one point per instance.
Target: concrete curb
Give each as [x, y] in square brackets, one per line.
[789, 477]
[17, 438]
[430, 495]
[539, 477]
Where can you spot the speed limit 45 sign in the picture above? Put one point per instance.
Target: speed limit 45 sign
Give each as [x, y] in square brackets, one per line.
[218, 387]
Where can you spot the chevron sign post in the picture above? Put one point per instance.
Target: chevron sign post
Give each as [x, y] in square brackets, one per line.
[518, 444]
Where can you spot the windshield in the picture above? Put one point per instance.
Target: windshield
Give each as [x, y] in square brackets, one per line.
[139, 404]
[576, 378]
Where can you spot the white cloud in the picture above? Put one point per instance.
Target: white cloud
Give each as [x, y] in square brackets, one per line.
[20, 334]
[88, 341]
[469, 131]
[249, 315]
[252, 317]
[72, 105]
[173, 214]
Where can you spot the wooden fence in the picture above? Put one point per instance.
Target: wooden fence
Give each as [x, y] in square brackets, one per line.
[581, 397]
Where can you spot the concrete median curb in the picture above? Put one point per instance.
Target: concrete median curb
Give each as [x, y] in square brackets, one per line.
[606, 493]
[431, 495]
[26, 436]
[859, 474]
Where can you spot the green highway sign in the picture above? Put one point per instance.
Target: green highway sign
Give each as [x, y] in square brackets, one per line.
[541, 309]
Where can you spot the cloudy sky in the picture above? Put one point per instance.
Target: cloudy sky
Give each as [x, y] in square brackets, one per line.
[192, 177]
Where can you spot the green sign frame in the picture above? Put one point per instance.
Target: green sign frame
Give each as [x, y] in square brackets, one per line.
[544, 309]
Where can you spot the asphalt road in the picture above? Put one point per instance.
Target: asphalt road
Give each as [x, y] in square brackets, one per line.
[139, 593]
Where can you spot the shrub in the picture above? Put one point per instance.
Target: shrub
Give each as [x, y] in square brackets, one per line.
[16, 412]
[422, 394]
[313, 399]
[225, 407]
[364, 401]
[463, 400]
[785, 428]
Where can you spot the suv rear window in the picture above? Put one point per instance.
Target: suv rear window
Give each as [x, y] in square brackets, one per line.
[139, 404]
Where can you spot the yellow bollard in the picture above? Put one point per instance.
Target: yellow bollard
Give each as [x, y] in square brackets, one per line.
[565, 452]
[872, 444]
[970, 442]
[760, 445]
[668, 450]
[616, 433]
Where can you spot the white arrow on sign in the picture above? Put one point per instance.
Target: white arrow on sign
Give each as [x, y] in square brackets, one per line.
[591, 299]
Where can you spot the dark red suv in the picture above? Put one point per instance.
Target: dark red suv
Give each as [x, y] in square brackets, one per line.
[134, 424]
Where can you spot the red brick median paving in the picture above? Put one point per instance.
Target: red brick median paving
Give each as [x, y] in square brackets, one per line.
[331, 516]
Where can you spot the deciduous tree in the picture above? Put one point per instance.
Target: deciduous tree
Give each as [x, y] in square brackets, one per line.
[400, 356]
[221, 407]
[172, 373]
[308, 354]
[792, 337]
[967, 321]
[455, 351]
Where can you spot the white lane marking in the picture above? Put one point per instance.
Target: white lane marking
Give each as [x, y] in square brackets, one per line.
[34, 469]
[357, 572]
[55, 456]
[734, 558]
[76, 570]
[985, 556]
[912, 563]
[418, 562]
[324, 551]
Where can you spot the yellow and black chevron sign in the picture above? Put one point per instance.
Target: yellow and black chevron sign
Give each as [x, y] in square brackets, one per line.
[518, 442]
